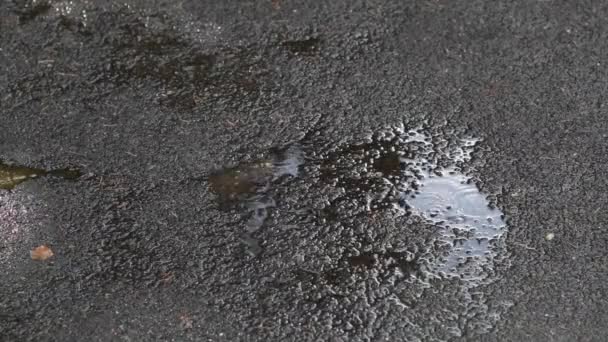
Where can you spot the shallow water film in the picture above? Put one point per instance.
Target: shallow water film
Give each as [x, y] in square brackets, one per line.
[396, 212]
[246, 186]
[13, 175]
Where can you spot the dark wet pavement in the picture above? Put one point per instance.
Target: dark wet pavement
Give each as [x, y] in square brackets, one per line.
[293, 170]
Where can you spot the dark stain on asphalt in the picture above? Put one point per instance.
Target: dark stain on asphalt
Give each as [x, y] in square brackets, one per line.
[384, 265]
[388, 164]
[73, 25]
[406, 262]
[33, 9]
[234, 183]
[186, 75]
[368, 172]
[365, 260]
[159, 56]
[307, 47]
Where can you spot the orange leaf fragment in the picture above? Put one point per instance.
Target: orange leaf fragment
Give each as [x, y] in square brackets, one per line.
[41, 253]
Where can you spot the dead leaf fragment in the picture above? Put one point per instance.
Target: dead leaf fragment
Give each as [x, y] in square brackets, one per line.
[41, 253]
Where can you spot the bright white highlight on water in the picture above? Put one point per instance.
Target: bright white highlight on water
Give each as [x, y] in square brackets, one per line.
[450, 200]
[468, 222]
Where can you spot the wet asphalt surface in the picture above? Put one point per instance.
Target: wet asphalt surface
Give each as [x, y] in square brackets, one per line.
[149, 99]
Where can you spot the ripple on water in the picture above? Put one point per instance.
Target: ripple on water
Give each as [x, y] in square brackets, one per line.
[468, 222]
[449, 199]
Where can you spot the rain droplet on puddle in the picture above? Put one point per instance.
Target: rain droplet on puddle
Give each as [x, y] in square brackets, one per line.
[469, 215]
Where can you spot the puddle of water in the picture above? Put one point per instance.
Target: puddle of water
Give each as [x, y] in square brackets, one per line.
[395, 213]
[398, 214]
[13, 175]
[247, 187]
[419, 172]
[449, 199]
[469, 224]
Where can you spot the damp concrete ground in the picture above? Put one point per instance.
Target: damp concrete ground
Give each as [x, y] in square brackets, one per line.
[302, 171]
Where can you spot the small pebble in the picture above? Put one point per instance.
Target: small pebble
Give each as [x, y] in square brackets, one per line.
[549, 236]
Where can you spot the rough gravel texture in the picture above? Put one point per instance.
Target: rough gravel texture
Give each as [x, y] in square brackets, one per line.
[148, 98]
